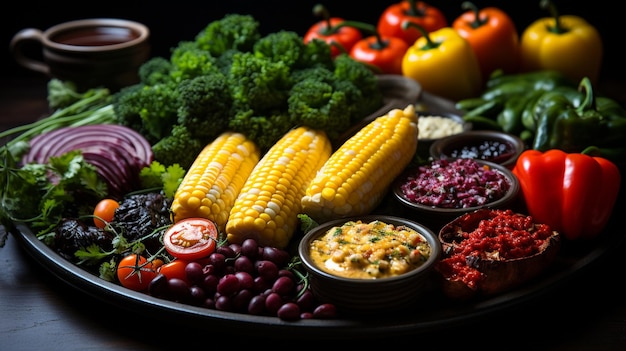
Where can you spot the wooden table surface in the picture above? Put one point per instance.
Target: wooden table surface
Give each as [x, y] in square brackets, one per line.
[38, 311]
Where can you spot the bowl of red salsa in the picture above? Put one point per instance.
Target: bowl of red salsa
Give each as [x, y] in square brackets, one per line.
[488, 145]
[490, 251]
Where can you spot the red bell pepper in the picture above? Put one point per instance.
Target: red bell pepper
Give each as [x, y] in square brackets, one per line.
[428, 17]
[383, 54]
[573, 193]
[340, 38]
[493, 37]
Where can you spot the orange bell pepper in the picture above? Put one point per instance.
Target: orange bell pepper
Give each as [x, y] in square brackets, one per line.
[428, 17]
[567, 44]
[493, 37]
[573, 193]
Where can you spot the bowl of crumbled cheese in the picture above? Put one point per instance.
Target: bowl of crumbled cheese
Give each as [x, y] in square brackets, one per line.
[435, 126]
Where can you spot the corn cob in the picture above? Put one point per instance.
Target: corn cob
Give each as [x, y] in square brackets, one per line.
[213, 181]
[358, 174]
[267, 207]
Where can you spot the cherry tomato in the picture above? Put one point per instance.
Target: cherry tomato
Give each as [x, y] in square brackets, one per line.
[104, 211]
[174, 269]
[135, 272]
[191, 238]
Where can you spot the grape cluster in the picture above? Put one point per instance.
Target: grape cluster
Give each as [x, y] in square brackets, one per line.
[246, 278]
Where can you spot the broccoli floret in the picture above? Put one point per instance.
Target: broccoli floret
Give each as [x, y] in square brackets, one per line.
[178, 147]
[204, 105]
[149, 109]
[189, 61]
[360, 84]
[126, 110]
[285, 46]
[316, 72]
[316, 53]
[233, 31]
[258, 82]
[265, 130]
[317, 103]
[155, 70]
[225, 60]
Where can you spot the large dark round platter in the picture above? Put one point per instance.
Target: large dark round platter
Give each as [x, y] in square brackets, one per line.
[438, 314]
[434, 316]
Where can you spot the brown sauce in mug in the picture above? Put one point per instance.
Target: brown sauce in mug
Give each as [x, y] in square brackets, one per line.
[101, 36]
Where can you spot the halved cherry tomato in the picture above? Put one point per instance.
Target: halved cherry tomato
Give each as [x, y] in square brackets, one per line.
[191, 238]
[174, 269]
[104, 211]
[135, 272]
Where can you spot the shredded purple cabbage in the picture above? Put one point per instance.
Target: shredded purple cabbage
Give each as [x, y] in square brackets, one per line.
[458, 183]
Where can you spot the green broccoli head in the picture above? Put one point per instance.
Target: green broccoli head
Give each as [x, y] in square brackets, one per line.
[149, 109]
[316, 53]
[317, 72]
[155, 70]
[225, 60]
[317, 104]
[258, 82]
[233, 31]
[177, 147]
[264, 130]
[347, 68]
[360, 83]
[189, 61]
[285, 46]
[205, 104]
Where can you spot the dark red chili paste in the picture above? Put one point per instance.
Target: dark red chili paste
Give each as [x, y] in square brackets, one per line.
[504, 235]
[459, 183]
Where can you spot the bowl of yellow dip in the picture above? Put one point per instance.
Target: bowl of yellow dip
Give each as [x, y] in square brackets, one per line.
[371, 263]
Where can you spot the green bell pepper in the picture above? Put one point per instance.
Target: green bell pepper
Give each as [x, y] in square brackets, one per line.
[567, 123]
[529, 115]
[510, 117]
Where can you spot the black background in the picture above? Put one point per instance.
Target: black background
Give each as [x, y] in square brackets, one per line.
[172, 21]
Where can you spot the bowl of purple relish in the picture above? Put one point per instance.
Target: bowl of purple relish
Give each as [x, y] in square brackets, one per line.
[487, 145]
[446, 188]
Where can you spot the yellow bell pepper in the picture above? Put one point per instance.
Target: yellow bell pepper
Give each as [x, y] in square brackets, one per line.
[443, 63]
[567, 43]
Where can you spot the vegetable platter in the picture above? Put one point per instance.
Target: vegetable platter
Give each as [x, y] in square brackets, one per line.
[175, 131]
[439, 316]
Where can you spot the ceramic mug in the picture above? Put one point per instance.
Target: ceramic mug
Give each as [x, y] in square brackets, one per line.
[90, 52]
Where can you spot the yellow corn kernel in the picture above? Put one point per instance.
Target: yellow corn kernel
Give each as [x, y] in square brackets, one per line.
[268, 205]
[215, 178]
[358, 174]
